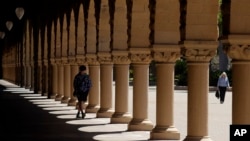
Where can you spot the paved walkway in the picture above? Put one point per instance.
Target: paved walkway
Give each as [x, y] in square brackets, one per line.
[27, 116]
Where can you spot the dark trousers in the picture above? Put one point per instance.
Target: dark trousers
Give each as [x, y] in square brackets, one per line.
[222, 93]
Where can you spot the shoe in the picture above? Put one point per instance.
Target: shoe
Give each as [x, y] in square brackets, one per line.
[83, 115]
[78, 115]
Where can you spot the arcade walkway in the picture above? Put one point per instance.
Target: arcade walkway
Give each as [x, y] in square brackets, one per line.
[31, 117]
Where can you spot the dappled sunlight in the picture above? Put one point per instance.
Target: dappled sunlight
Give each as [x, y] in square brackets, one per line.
[69, 116]
[124, 136]
[73, 116]
[105, 128]
[88, 120]
[22, 92]
[36, 97]
[60, 108]
[26, 95]
[61, 112]
[14, 90]
[52, 105]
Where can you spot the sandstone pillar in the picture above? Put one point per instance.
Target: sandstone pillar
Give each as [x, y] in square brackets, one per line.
[94, 93]
[60, 82]
[237, 48]
[66, 83]
[74, 70]
[28, 76]
[165, 57]
[106, 83]
[198, 55]
[54, 80]
[122, 62]
[140, 61]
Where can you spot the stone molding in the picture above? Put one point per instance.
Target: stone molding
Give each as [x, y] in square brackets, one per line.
[91, 59]
[58, 60]
[39, 62]
[72, 60]
[199, 51]
[64, 60]
[140, 55]
[104, 58]
[45, 62]
[166, 53]
[120, 57]
[237, 47]
[52, 61]
[80, 59]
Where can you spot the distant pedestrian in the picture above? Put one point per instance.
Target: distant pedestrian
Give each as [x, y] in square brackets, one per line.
[82, 85]
[222, 85]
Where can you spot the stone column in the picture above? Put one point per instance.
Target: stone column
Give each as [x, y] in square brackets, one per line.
[94, 93]
[198, 55]
[32, 83]
[28, 76]
[39, 77]
[140, 58]
[165, 57]
[122, 62]
[106, 79]
[46, 77]
[54, 79]
[24, 74]
[60, 76]
[74, 70]
[66, 82]
[237, 48]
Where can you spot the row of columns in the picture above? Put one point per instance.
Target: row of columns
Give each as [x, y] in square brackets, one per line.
[198, 49]
[100, 97]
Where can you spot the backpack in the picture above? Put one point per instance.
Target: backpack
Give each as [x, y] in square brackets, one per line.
[85, 84]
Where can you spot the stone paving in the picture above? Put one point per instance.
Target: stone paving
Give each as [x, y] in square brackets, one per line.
[219, 116]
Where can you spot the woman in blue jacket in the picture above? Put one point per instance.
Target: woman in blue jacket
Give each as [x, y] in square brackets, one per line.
[222, 85]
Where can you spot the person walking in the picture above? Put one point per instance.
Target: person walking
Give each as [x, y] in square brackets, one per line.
[222, 85]
[82, 84]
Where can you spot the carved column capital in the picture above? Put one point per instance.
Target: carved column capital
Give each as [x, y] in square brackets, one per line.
[52, 61]
[45, 62]
[91, 59]
[199, 51]
[64, 60]
[58, 60]
[166, 53]
[39, 62]
[80, 59]
[237, 47]
[140, 55]
[72, 60]
[104, 58]
[120, 57]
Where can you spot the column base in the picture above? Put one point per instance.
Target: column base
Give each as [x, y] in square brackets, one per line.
[58, 98]
[165, 133]
[53, 96]
[27, 87]
[65, 99]
[119, 117]
[72, 102]
[193, 138]
[140, 125]
[31, 89]
[45, 94]
[92, 108]
[104, 113]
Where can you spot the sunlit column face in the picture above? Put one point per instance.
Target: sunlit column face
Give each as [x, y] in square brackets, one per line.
[19, 12]
[9, 25]
[2, 34]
